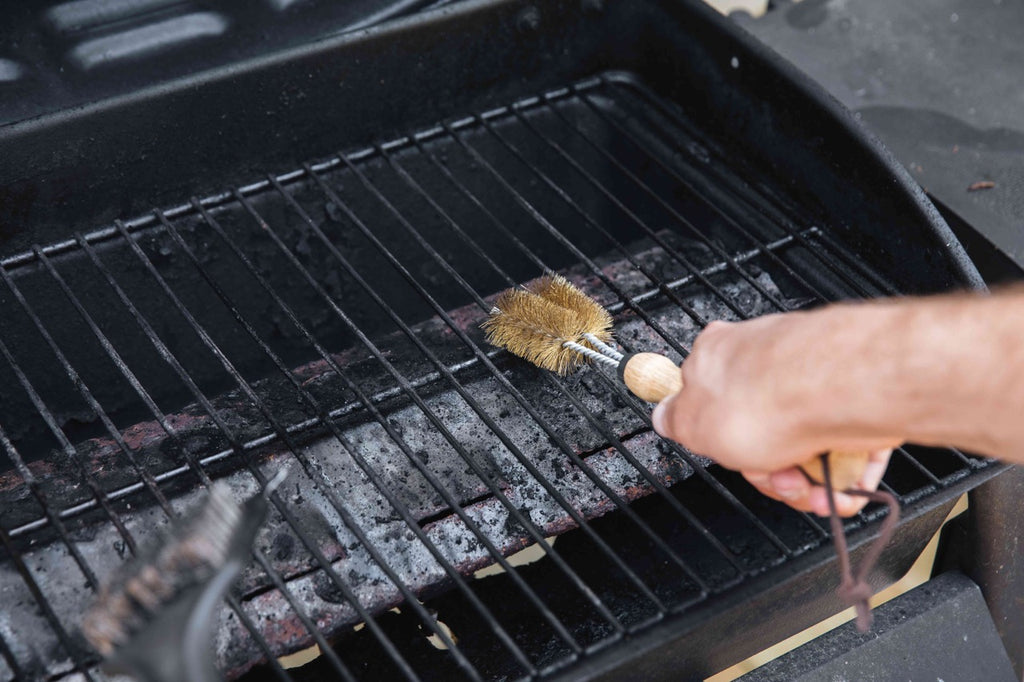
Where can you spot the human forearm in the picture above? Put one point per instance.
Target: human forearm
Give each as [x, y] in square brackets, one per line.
[958, 378]
[764, 395]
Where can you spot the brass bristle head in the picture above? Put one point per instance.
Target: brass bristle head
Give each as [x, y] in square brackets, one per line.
[535, 322]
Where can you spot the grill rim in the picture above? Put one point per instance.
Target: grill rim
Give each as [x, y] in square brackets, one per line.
[669, 641]
[162, 219]
[951, 241]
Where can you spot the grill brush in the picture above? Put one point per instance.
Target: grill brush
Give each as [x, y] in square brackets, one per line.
[154, 621]
[557, 327]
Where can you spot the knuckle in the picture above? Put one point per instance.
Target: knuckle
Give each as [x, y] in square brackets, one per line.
[717, 326]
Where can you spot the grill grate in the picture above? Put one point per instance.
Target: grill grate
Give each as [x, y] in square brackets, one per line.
[420, 455]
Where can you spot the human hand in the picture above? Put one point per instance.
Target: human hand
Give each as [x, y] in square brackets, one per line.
[766, 395]
[792, 486]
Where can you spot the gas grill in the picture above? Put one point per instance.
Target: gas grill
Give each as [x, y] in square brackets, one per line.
[289, 305]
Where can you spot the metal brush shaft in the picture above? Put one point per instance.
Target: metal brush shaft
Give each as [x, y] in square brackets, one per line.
[603, 347]
[592, 354]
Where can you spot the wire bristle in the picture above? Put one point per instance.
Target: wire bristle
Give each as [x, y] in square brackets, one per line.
[533, 323]
[564, 294]
[196, 549]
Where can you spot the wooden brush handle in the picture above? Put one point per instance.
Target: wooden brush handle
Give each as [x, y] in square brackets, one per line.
[654, 377]
[650, 376]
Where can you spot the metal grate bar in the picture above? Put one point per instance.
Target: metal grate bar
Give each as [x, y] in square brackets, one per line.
[94, 404]
[261, 642]
[31, 481]
[237, 447]
[430, 622]
[326, 650]
[964, 459]
[446, 495]
[48, 510]
[508, 443]
[562, 194]
[780, 214]
[37, 594]
[560, 385]
[422, 292]
[658, 200]
[526, 142]
[722, 253]
[615, 307]
[718, 268]
[48, 417]
[642, 412]
[654, 195]
[634, 218]
[162, 419]
[920, 467]
[9, 658]
[592, 419]
[397, 438]
[734, 224]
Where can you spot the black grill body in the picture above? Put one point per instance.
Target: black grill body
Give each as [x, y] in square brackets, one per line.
[286, 262]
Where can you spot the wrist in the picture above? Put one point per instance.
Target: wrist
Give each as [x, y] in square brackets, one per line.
[863, 391]
[961, 387]
[930, 371]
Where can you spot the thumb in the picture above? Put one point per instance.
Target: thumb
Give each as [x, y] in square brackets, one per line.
[662, 418]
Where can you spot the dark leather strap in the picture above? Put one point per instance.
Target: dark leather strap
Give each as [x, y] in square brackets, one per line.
[854, 589]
